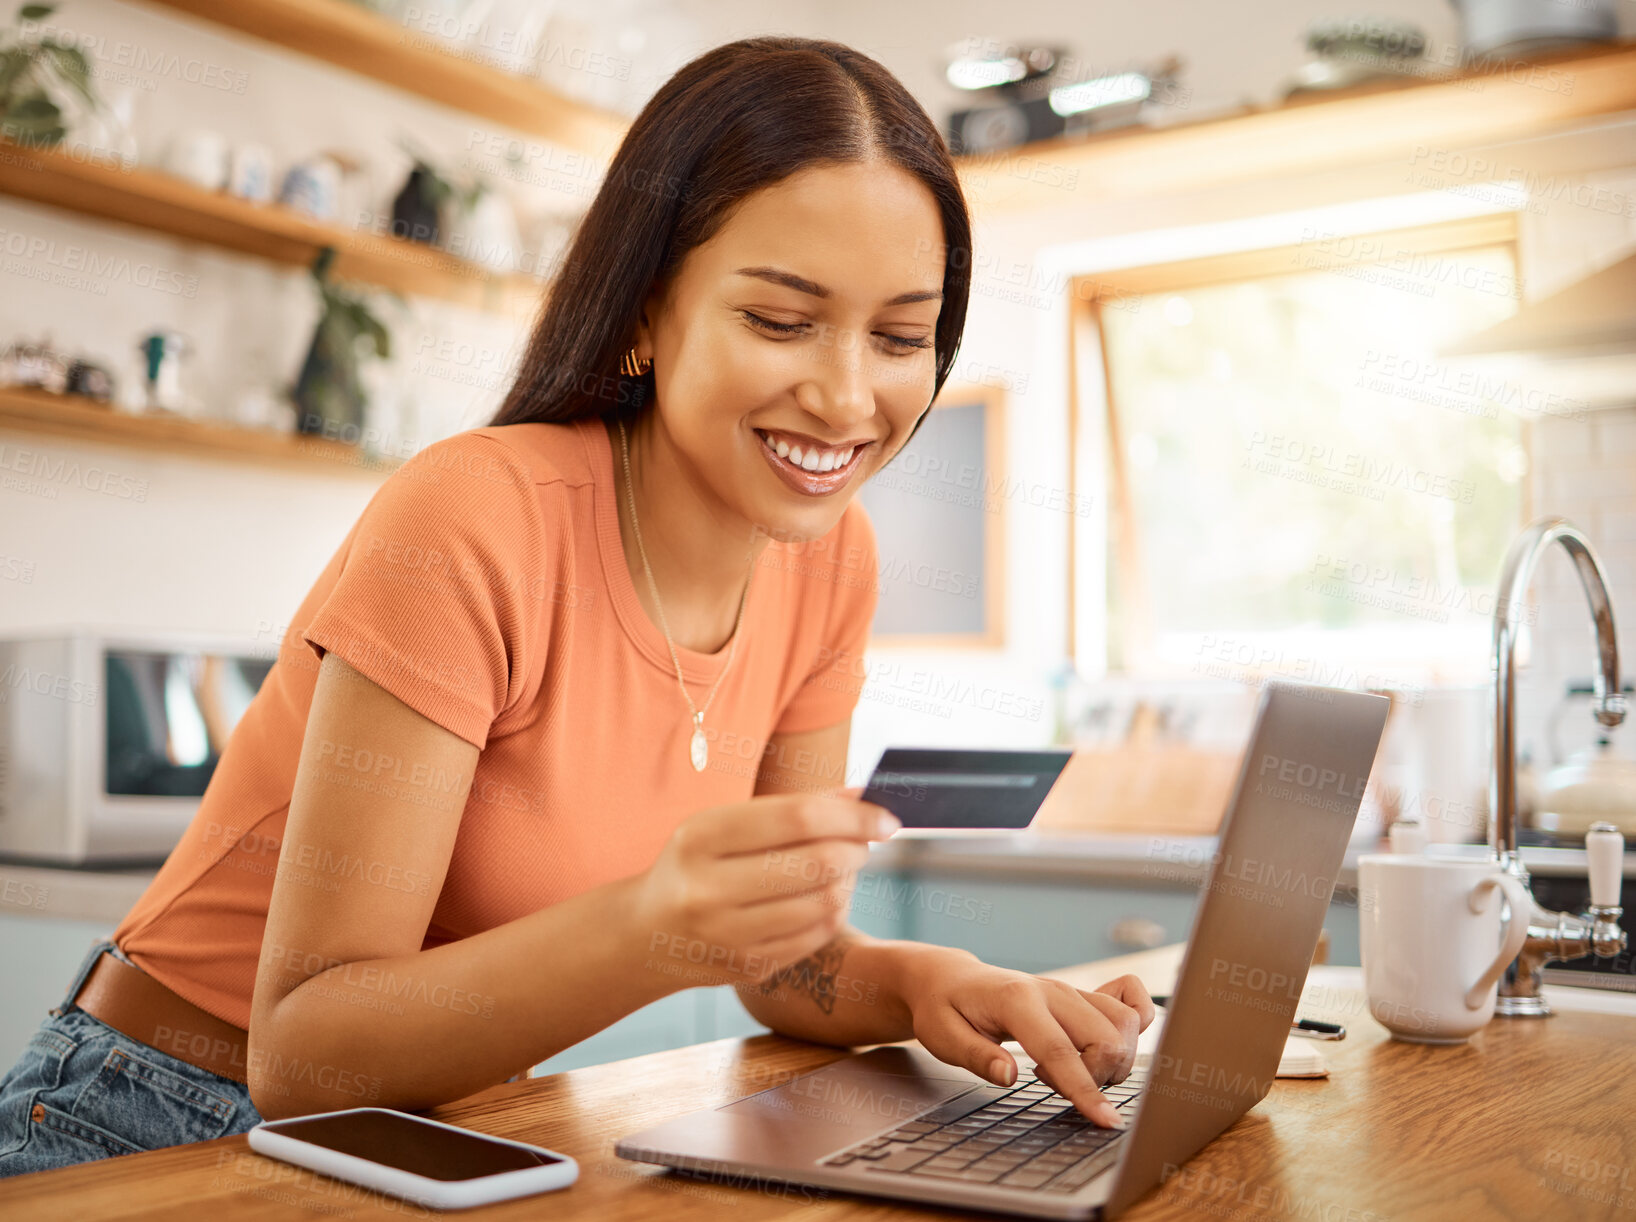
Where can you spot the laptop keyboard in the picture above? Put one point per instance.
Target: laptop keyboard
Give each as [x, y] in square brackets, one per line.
[1027, 1136]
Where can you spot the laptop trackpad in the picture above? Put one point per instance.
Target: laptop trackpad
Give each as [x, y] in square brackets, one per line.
[791, 1125]
[856, 1096]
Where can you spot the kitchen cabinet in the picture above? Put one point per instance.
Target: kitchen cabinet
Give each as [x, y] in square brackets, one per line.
[689, 1017]
[1031, 924]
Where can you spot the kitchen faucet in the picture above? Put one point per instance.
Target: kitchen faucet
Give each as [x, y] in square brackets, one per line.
[1552, 935]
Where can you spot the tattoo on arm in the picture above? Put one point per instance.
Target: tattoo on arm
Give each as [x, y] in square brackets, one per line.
[815, 976]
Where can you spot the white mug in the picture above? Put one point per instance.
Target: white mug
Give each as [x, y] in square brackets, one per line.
[200, 156]
[1433, 943]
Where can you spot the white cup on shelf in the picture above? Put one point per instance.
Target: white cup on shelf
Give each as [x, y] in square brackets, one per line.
[200, 157]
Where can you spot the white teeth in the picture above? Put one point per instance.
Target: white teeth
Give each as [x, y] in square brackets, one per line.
[810, 460]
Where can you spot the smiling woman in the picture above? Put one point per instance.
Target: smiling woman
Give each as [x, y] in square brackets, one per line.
[475, 814]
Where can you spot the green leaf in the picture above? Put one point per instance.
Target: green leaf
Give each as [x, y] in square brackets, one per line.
[349, 312]
[434, 186]
[34, 108]
[35, 12]
[14, 62]
[71, 66]
[35, 135]
[371, 326]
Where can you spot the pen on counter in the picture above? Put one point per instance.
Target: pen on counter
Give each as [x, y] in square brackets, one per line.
[1310, 1028]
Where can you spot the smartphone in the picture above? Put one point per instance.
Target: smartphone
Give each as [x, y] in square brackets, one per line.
[426, 1161]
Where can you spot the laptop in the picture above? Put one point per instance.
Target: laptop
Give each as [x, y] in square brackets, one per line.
[895, 1121]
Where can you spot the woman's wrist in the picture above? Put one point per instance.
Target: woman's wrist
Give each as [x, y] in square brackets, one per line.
[916, 969]
[645, 945]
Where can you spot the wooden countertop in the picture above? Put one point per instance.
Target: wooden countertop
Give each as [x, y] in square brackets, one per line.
[1533, 1120]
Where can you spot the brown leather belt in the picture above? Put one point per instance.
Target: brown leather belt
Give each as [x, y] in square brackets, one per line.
[135, 1004]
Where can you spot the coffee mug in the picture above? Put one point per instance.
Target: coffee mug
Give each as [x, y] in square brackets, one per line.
[200, 156]
[1434, 944]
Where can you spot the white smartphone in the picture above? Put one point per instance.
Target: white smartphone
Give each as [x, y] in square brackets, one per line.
[435, 1164]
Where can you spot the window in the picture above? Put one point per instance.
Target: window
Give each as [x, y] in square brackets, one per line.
[1296, 480]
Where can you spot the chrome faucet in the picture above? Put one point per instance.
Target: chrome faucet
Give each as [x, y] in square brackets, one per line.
[1552, 935]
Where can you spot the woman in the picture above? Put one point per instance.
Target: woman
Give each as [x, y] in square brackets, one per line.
[560, 729]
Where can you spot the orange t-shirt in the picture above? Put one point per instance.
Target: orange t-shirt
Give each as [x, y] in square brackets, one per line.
[485, 586]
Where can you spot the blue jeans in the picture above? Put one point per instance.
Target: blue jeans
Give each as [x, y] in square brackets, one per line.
[83, 1091]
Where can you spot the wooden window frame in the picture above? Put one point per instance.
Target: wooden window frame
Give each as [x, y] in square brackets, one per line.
[1092, 293]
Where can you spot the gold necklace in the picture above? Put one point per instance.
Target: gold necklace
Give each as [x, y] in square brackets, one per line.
[698, 749]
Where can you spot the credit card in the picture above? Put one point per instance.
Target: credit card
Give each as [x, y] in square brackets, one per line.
[956, 788]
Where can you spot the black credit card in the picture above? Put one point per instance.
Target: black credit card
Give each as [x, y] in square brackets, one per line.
[938, 787]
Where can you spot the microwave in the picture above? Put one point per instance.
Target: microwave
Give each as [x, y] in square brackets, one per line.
[108, 738]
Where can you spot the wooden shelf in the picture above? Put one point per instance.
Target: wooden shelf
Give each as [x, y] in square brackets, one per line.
[29, 410]
[1368, 124]
[351, 37]
[162, 203]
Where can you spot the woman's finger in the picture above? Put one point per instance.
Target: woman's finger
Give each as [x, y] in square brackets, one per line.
[1020, 1011]
[781, 918]
[1101, 1027]
[780, 821]
[752, 878]
[948, 1036]
[1131, 991]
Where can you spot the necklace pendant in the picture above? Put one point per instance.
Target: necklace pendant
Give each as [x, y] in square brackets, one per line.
[699, 749]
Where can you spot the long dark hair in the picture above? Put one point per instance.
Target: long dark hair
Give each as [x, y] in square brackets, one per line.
[738, 118]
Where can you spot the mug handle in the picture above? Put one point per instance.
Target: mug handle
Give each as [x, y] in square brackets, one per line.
[1516, 931]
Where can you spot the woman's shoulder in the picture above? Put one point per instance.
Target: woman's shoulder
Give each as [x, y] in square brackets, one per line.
[510, 487]
[515, 453]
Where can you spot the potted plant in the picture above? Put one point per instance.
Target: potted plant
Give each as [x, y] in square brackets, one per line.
[329, 394]
[33, 66]
[430, 195]
[460, 215]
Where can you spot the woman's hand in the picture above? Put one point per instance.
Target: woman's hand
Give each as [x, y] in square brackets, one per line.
[742, 890]
[962, 1008]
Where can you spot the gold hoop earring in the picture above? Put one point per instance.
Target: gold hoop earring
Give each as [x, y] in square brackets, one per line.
[633, 368]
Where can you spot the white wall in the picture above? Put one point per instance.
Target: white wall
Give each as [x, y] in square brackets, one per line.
[213, 545]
